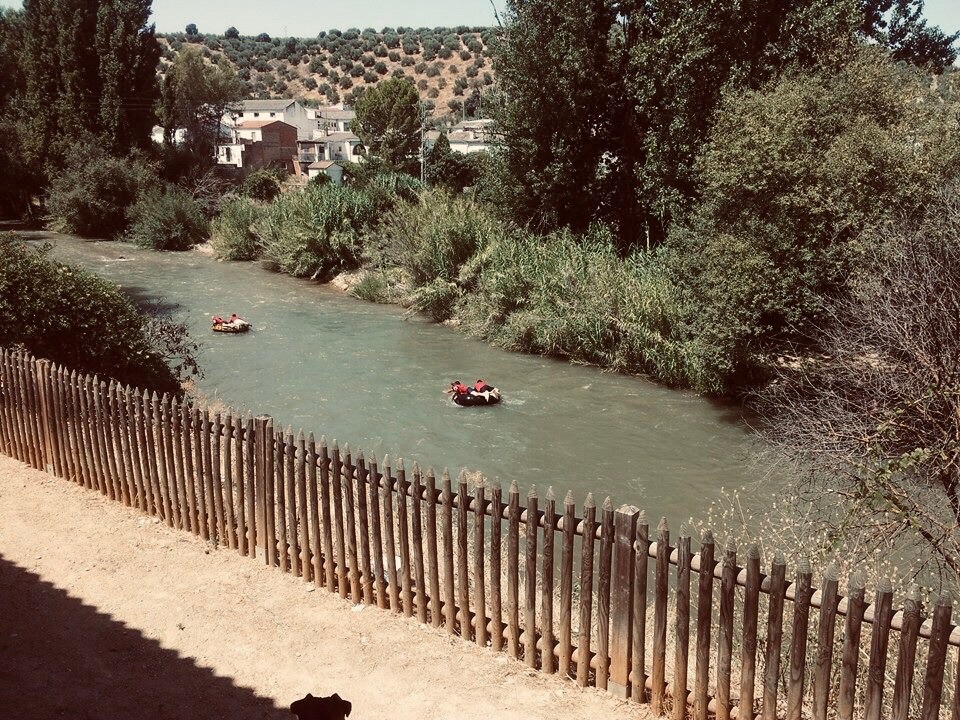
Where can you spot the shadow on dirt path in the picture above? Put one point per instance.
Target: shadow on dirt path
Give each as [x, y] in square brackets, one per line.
[63, 658]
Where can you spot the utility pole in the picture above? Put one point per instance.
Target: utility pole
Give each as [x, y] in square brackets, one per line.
[423, 144]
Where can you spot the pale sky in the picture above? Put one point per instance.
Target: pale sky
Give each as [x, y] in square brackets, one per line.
[305, 18]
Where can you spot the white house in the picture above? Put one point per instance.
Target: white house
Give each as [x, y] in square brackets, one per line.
[331, 169]
[284, 110]
[334, 119]
[343, 146]
[472, 136]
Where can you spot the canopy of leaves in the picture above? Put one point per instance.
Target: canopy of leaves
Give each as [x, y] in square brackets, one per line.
[90, 67]
[873, 420]
[196, 95]
[388, 121]
[792, 176]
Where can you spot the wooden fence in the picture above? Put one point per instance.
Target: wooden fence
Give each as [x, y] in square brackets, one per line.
[594, 597]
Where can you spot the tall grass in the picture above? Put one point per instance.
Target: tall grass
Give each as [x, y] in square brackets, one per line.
[558, 294]
[232, 232]
[315, 232]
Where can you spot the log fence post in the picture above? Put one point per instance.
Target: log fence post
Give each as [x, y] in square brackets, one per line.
[622, 605]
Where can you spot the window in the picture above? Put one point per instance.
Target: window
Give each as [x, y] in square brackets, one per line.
[256, 114]
[273, 114]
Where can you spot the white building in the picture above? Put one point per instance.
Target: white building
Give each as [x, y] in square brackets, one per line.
[284, 110]
[326, 167]
[331, 118]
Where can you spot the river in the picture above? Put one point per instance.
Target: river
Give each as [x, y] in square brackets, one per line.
[373, 376]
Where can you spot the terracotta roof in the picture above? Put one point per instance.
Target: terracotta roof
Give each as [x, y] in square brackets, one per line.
[321, 165]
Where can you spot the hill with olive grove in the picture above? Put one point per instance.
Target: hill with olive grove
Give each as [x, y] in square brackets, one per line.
[451, 67]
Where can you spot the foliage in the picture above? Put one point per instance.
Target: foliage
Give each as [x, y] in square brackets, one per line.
[873, 420]
[195, 97]
[434, 237]
[72, 317]
[167, 219]
[91, 196]
[90, 67]
[18, 180]
[232, 231]
[388, 122]
[554, 295]
[262, 184]
[453, 170]
[637, 86]
[900, 25]
[315, 232]
[791, 178]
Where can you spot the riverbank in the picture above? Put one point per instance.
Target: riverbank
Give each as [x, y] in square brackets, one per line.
[107, 613]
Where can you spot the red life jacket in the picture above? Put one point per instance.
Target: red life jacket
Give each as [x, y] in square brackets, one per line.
[481, 386]
[461, 389]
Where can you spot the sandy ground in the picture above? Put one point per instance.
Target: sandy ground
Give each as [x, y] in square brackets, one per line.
[106, 614]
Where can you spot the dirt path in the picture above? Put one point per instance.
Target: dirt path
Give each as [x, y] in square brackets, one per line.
[107, 614]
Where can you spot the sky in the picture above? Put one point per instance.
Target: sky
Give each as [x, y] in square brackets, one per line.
[305, 18]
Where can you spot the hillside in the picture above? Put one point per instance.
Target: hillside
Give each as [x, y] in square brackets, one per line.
[451, 67]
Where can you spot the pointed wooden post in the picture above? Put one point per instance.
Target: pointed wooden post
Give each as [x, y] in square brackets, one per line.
[621, 594]
[547, 664]
[263, 469]
[659, 683]
[682, 626]
[771, 675]
[566, 586]
[906, 660]
[530, 576]
[704, 623]
[728, 587]
[586, 591]
[851, 646]
[936, 657]
[825, 635]
[798, 644]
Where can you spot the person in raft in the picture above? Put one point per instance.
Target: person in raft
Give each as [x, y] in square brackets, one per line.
[458, 388]
[217, 320]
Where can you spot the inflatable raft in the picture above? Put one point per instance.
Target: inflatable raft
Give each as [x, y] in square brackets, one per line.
[490, 396]
[235, 326]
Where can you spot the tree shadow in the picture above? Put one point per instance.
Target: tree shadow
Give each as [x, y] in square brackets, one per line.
[63, 658]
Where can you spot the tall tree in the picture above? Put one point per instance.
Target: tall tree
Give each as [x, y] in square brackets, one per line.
[195, 97]
[388, 121]
[90, 67]
[900, 25]
[610, 101]
[11, 40]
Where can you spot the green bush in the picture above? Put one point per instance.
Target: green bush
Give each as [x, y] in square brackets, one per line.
[92, 195]
[262, 184]
[167, 219]
[315, 232]
[77, 319]
[232, 232]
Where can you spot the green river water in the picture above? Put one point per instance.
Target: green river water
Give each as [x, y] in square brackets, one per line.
[371, 376]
